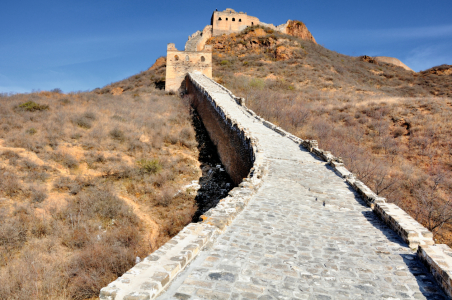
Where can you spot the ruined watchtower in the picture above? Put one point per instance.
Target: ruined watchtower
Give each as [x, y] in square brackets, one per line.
[179, 63]
[230, 21]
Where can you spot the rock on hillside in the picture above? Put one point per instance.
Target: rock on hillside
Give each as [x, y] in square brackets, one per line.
[258, 40]
[265, 55]
[439, 70]
[299, 29]
[161, 61]
[392, 60]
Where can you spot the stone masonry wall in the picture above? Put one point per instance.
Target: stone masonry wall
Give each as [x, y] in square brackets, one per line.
[233, 147]
[180, 63]
[149, 278]
[230, 21]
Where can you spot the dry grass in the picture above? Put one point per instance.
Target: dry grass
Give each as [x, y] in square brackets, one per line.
[88, 182]
[382, 120]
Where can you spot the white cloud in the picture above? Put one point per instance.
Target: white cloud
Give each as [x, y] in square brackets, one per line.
[425, 57]
[13, 89]
[413, 32]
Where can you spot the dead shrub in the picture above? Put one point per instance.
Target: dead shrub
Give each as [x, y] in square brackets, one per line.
[101, 204]
[96, 266]
[10, 184]
[8, 154]
[166, 197]
[117, 134]
[118, 171]
[83, 122]
[92, 158]
[71, 250]
[65, 159]
[187, 137]
[37, 194]
[77, 238]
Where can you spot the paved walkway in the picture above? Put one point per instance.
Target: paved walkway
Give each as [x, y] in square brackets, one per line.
[304, 235]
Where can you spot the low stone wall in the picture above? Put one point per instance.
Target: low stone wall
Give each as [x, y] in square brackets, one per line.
[232, 142]
[437, 258]
[149, 278]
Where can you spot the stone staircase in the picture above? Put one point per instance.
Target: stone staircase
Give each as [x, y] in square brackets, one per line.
[191, 44]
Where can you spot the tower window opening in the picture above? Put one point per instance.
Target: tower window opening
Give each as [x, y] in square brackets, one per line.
[203, 59]
[233, 19]
[176, 57]
[252, 23]
[226, 19]
[240, 20]
[219, 19]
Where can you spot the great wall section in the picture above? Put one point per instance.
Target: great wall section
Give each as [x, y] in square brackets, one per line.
[298, 226]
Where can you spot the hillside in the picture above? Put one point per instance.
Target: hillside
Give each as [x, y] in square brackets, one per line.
[88, 182]
[391, 126]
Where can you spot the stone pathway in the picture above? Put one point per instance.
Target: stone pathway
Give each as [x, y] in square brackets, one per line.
[304, 235]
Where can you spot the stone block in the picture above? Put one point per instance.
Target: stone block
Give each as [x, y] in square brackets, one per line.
[161, 277]
[172, 269]
[152, 258]
[137, 296]
[182, 260]
[108, 293]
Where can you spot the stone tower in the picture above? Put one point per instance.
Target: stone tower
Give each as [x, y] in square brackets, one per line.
[179, 63]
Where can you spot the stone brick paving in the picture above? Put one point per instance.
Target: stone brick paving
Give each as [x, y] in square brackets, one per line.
[305, 235]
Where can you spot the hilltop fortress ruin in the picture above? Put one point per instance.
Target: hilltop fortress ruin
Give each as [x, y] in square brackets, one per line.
[197, 56]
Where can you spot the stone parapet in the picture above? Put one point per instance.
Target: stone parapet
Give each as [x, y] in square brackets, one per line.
[149, 278]
[413, 233]
[438, 259]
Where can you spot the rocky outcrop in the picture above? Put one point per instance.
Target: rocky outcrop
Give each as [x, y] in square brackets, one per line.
[298, 29]
[392, 60]
[293, 28]
[439, 70]
[161, 61]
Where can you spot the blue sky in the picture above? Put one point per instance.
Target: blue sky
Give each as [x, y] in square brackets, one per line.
[80, 45]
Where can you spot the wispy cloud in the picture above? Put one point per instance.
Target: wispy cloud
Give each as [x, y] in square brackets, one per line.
[425, 57]
[13, 89]
[385, 35]
[412, 32]
[4, 79]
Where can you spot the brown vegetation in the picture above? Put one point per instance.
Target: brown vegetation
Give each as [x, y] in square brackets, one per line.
[88, 182]
[392, 127]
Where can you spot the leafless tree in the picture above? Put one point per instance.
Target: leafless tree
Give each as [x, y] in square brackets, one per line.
[383, 182]
[434, 207]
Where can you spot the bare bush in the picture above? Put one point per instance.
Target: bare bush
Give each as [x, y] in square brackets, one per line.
[68, 242]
